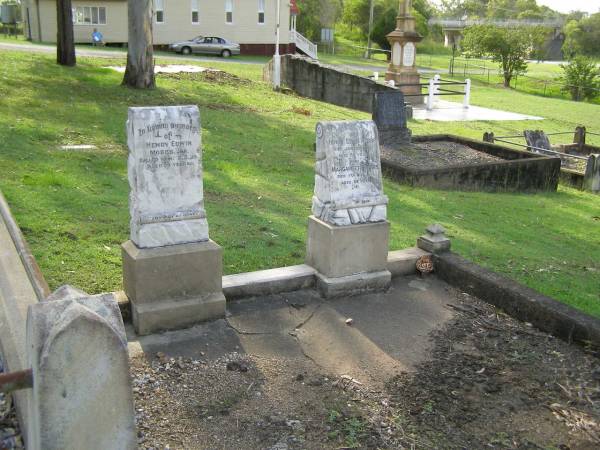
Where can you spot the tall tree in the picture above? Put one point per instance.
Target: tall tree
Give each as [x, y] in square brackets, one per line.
[510, 47]
[140, 62]
[65, 41]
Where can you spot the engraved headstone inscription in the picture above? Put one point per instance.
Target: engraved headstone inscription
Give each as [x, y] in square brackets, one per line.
[348, 182]
[165, 175]
[389, 114]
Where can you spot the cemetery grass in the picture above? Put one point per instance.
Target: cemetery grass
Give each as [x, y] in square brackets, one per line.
[258, 160]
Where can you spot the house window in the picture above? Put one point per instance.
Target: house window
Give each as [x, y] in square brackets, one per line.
[195, 17]
[159, 9]
[89, 15]
[261, 11]
[229, 11]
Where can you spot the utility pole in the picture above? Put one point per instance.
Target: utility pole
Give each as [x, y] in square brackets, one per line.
[276, 57]
[369, 43]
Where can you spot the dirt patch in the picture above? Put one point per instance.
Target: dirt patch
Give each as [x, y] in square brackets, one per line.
[493, 382]
[436, 155]
[498, 383]
[209, 76]
[242, 402]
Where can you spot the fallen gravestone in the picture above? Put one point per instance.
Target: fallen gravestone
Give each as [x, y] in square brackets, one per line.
[348, 232]
[389, 114]
[537, 141]
[171, 269]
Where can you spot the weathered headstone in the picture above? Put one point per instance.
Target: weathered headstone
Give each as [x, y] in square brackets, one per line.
[348, 181]
[172, 271]
[389, 114]
[81, 395]
[537, 141]
[348, 232]
[165, 175]
[591, 180]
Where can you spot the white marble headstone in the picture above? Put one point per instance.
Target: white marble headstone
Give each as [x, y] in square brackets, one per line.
[348, 182]
[166, 201]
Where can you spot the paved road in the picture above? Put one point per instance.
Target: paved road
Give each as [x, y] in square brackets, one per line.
[116, 53]
[122, 53]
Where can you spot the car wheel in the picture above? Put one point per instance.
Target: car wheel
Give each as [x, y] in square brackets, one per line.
[225, 53]
[186, 50]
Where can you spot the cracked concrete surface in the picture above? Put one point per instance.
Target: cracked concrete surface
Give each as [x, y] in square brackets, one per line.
[389, 332]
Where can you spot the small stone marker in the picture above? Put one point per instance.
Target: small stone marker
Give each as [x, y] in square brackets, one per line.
[81, 396]
[389, 114]
[434, 240]
[348, 233]
[348, 181]
[537, 140]
[165, 175]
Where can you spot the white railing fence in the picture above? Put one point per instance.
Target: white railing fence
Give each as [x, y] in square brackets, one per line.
[304, 44]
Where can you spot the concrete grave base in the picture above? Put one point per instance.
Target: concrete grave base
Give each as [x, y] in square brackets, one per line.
[353, 284]
[349, 258]
[174, 286]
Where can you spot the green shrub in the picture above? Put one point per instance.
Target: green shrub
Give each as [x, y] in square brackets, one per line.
[581, 78]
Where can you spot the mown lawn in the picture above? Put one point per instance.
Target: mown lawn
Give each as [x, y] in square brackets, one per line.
[258, 167]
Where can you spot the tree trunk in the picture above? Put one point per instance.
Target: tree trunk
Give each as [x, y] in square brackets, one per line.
[140, 62]
[65, 42]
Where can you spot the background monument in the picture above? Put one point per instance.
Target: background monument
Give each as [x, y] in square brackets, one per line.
[403, 64]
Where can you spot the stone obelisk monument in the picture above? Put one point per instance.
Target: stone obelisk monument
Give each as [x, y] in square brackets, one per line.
[402, 68]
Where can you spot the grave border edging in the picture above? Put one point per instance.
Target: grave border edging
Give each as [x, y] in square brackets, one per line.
[517, 300]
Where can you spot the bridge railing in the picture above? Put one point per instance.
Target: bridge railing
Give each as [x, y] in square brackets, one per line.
[509, 23]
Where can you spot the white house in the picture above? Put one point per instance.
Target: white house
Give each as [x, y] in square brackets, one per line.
[251, 23]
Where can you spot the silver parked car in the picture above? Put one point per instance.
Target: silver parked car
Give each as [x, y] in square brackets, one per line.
[210, 45]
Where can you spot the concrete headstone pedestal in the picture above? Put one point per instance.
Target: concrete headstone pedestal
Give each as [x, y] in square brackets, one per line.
[389, 115]
[172, 271]
[348, 232]
[81, 396]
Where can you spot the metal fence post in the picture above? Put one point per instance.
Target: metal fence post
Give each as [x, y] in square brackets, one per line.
[467, 98]
[431, 94]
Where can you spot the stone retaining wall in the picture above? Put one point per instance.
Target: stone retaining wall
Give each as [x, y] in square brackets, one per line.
[314, 80]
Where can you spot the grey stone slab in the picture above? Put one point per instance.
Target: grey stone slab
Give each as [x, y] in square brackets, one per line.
[591, 181]
[81, 396]
[271, 281]
[537, 139]
[348, 180]
[389, 114]
[403, 262]
[165, 175]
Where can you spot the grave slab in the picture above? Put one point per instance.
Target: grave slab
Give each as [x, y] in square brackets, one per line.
[389, 114]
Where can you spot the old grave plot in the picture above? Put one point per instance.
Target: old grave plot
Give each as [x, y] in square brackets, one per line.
[378, 326]
[580, 162]
[286, 372]
[453, 162]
